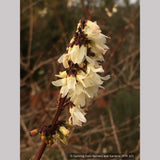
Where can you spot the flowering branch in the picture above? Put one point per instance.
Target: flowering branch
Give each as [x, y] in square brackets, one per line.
[79, 81]
[82, 61]
[60, 108]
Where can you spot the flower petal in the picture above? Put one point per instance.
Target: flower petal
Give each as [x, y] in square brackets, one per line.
[82, 54]
[74, 53]
[106, 77]
[62, 74]
[59, 82]
[71, 82]
[80, 116]
[64, 90]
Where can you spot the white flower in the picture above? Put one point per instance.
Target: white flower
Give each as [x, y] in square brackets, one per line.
[64, 59]
[93, 32]
[67, 83]
[78, 54]
[79, 96]
[91, 29]
[97, 55]
[101, 47]
[90, 78]
[97, 38]
[77, 116]
[92, 91]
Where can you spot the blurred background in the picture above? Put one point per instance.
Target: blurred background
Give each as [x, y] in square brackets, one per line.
[113, 116]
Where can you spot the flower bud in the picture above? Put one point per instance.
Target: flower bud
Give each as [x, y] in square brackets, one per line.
[34, 132]
[64, 131]
[44, 139]
[67, 124]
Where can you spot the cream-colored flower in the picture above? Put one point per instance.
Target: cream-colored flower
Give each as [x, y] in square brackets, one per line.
[78, 54]
[98, 54]
[77, 116]
[67, 83]
[91, 78]
[79, 96]
[93, 32]
[62, 74]
[91, 29]
[101, 47]
[64, 59]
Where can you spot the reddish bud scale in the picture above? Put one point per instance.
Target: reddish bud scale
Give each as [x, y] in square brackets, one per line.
[34, 132]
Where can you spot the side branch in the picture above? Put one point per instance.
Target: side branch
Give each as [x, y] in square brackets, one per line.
[58, 113]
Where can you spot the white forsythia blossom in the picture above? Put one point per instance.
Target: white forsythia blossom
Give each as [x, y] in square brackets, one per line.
[67, 83]
[77, 116]
[82, 60]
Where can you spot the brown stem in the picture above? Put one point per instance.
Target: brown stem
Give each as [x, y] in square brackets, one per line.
[55, 119]
[58, 113]
[41, 150]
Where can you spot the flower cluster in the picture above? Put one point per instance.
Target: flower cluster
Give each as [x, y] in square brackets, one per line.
[82, 62]
[49, 135]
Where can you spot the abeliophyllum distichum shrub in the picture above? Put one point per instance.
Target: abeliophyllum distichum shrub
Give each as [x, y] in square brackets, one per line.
[82, 61]
[79, 81]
